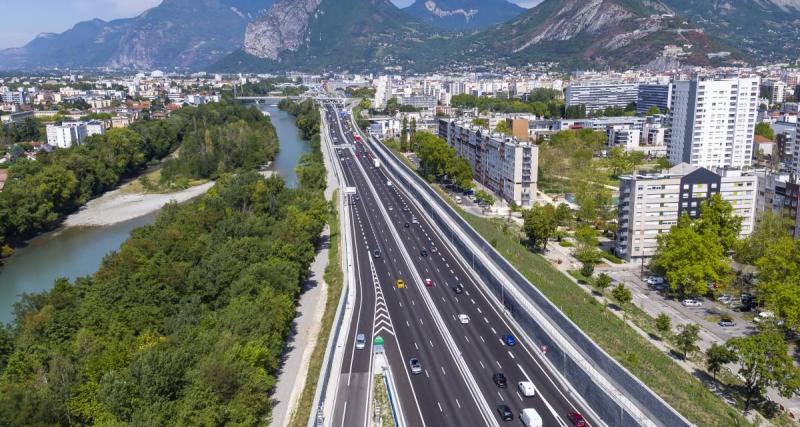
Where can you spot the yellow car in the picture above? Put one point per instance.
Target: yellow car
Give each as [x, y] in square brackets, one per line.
[401, 284]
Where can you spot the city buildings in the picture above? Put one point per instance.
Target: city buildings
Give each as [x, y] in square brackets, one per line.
[504, 165]
[713, 121]
[650, 205]
[599, 94]
[653, 96]
[780, 194]
[72, 133]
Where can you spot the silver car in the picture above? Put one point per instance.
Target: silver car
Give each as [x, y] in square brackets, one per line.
[415, 365]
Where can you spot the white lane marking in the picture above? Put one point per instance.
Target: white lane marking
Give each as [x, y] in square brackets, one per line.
[493, 331]
[479, 310]
[484, 341]
[467, 338]
[511, 354]
[443, 372]
[420, 321]
[415, 346]
[408, 324]
[431, 342]
[427, 374]
[457, 403]
[473, 300]
[482, 366]
[485, 319]
[518, 395]
[498, 364]
[501, 396]
[440, 406]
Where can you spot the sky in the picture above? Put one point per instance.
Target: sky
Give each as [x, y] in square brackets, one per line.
[24, 20]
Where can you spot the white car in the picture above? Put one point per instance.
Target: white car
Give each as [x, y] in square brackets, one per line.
[655, 280]
[691, 303]
[526, 388]
[463, 318]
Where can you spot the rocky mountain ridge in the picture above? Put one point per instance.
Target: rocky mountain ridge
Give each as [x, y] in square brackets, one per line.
[463, 14]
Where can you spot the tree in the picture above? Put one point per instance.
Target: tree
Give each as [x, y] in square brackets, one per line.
[539, 225]
[663, 324]
[652, 111]
[602, 282]
[690, 260]
[765, 130]
[484, 198]
[624, 162]
[564, 215]
[779, 280]
[765, 362]
[686, 339]
[404, 134]
[622, 295]
[770, 228]
[718, 220]
[480, 122]
[503, 128]
[718, 356]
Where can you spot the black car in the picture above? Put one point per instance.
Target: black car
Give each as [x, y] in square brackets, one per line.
[459, 288]
[376, 253]
[406, 225]
[505, 413]
[423, 252]
[500, 379]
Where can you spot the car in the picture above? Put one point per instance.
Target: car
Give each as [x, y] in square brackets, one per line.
[505, 413]
[499, 378]
[390, 208]
[576, 419]
[406, 209]
[434, 250]
[509, 340]
[388, 183]
[459, 288]
[428, 282]
[463, 318]
[423, 252]
[406, 225]
[726, 323]
[526, 388]
[414, 220]
[401, 284]
[415, 365]
[764, 315]
[361, 341]
[376, 253]
[655, 280]
[725, 299]
[691, 303]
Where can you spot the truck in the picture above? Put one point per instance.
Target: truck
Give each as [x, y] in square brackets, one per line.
[376, 163]
[530, 418]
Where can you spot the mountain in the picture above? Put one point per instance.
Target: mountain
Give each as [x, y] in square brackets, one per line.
[765, 29]
[598, 33]
[464, 14]
[324, 34]
[176, 33]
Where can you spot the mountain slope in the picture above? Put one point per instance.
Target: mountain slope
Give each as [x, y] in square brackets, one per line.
[590, 32]
[464, 14]
[343, 34]
[765, 29]
[177, 33]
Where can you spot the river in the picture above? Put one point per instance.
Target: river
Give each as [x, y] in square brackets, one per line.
[78, 251]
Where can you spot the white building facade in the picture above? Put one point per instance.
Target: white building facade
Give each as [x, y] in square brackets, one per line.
[713, 121]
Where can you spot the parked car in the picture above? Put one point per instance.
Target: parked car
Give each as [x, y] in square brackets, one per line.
[655, 280]
[726, 323]
[725, 299]
[691, 303]
[500, 380]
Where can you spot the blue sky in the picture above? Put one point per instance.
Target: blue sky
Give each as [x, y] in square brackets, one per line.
[24, 19]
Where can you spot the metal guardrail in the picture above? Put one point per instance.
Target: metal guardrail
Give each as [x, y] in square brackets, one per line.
[602, 400]
[317, 418]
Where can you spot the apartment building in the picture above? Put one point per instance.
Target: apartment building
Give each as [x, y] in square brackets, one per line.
[780, 194]
[506, 166]
[650, 205]
[600, 94]
[713, 121]
[653, 95]
[71, 133]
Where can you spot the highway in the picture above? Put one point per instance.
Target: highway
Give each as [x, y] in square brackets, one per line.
[459, 359]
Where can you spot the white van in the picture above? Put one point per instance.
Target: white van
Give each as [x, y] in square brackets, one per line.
[530, 418]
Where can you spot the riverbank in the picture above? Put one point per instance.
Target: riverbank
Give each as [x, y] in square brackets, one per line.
[118, 206]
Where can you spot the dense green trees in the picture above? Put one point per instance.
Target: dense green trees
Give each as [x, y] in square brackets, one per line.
[540, 225]
[541, 102]
[437, 159]
[765, 130]
[213, 139]
[184, 325]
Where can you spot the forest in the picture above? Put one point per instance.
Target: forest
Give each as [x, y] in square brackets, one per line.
[212, 139]
[184, 325]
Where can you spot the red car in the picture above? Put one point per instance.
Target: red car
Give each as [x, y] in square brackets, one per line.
[577, 419]
[428, 282]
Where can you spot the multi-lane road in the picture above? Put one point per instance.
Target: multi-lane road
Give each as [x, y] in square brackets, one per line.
[393, 240]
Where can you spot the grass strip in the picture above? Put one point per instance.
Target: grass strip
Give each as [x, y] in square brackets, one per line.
[334, 278]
